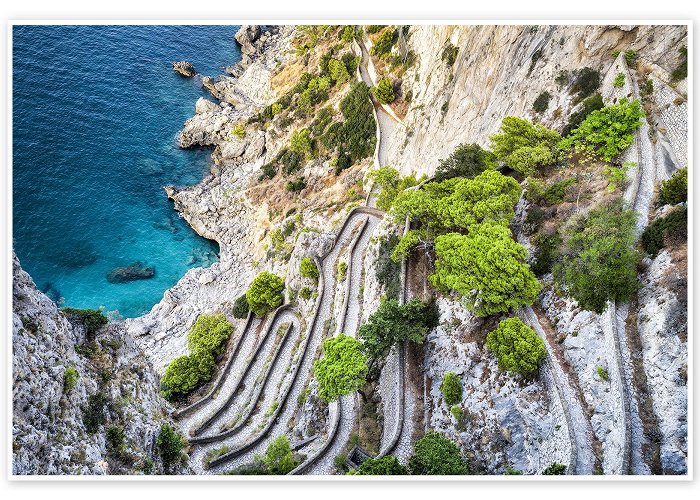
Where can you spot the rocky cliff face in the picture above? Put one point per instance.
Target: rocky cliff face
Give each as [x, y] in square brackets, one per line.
[116, 387]
[500, 71]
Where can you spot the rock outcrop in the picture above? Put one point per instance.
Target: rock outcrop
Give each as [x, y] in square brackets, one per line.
[132, 272]
[184, 68]
[58, 428]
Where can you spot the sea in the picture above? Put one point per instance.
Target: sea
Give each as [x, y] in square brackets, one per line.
[95, 116]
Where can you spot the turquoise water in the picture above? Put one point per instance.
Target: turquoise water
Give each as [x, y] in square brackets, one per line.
[96, 111]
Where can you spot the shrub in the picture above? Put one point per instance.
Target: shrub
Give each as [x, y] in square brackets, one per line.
[92, 319]
[546, 254]
[615, 53]
[467, 160]
[341, 271]
[675, 190]
[647, 87]
[542, 102]
[516, 346]
[384, 43]
[672, 225]
[586, 82]
[351, 62]
[296, 185]
[449, 54]
[70, 379]
[434, 454]
[93, 413]
[300, 143]
[238, 130]
[599, 262]
[209, 334]
[384, 466]
[487, 267]
[451, 389]
[384, 91]
[375, 28]
[359, 127]
[584, 109]
[265, 293]
[185, 373]
[338, 71]
[619, 80]
[513, 472]
[394, 323]
[267, 171]
[390, 184]
[386, 270]
[602, 373]
[630, 56]
[115, 439]
[305, 293]
[278, 457]
[681, 71]
[342, 369]
[340, 462]
[170, 445]
[308, 269]
[555, 470]
[240, 307]
[606, 132]
[533, 220]
[554, 193]
[348, 34]
[524, 146]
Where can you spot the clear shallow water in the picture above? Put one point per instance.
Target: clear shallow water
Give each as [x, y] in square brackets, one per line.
[96, 111]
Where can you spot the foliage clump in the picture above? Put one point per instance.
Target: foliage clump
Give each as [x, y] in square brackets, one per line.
[384, 466]
[555, 469]
[434, 454]
[467, 160]
[516, 346]
[265, 293]
[587, 106]
[671, 227]
[449, 54]
[394, 323]
[451, 389]
[486, 267]
[384, 91]
[523, 146]
[681, 71]
[598, 261]
[241, 307]
[541, 102]
[70, 379]
[390, 184]
[342, 369]
[308, 269]
[607, 131]
[92, 319]
[619, 80]
[169, 444]
[674, 190]
[278, 457]
[586, 82]
[382, 47]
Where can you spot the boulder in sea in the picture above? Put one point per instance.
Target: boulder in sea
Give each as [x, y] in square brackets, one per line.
[132, 272]
[184, 68]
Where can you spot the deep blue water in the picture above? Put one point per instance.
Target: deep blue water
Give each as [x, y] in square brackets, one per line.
[96, 111]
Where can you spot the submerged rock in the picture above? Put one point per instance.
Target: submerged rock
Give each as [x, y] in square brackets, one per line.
[132, 272]
[184, 68]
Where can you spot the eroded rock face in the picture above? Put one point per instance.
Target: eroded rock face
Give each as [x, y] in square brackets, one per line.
[246, 35]
[184, 68]
[49, 431]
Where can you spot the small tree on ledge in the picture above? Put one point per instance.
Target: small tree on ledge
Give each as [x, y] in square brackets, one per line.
[384, 91]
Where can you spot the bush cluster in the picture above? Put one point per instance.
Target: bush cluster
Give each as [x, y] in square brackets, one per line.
[384, 91]
[467, 160]
[70, 379]
[92, 319]
[169, 444]
[391, 184]
[619, 80]
[516, 346]
[541, 102]
[240, 307]
[523, 146]
[586, 82]
[584, 109]
[451, 389]
[449, 54]
[434, 454]
[308, 269]
[674, 190]
[265, 293]
[342, 369]
[296, 185]
[672, 227]
[382, 47]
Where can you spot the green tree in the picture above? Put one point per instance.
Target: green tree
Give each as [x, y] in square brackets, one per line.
[301, 143]
[240, 307]
[209, 334]
[342, 369]
[278, 457]
[673, 226]
[555, 470]
[598, 261]
[587, 106]
[434, 454]
[265, 293]
[393, 324]
[523, 146]
[115, 439]
[467, 160]
[451, 389]
[384, 466]
[357, 138]
[391, 184]
[384, 43]
[542, 102]
[487, 267]
[308, 269]
[92, 319]
[675, 190]
[517, 347]
[607, 131]
[338, 71]
[384, 91]
[185, 373]
[170, 445]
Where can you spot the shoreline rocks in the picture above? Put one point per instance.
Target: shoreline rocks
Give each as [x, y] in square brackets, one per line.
[132, 272]
[184, 68]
